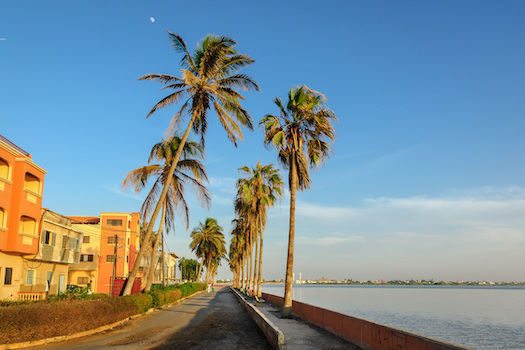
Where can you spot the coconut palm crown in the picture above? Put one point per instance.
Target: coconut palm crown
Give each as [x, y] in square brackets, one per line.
[208, 243]
[160, 159]
[209, 79]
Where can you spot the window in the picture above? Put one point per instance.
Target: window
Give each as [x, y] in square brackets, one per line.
[8, 275]
[86, 239]
[113, 222]
[86, 257]
[82, 280]
[64, 241]
[49, 278]
[47, 237]
[112, 240]
[2, 218]
[72, 243]
[27, 225]
[4, 169]
[32, 183]
[30, 277]
[110, 258]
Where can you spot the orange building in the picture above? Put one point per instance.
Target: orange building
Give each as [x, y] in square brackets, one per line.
[21, 187]
[110, 247]
[36, 244]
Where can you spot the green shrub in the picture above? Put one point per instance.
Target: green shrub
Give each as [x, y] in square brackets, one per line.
[158, 297]
[143, 302]
[172, 295]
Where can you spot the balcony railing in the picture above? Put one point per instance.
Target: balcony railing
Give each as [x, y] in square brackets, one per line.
[31, 296]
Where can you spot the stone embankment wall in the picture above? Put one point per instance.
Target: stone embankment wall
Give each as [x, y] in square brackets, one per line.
[361, 332]
[270, 331]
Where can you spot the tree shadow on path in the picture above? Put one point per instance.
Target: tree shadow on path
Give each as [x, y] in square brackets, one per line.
[225, 326]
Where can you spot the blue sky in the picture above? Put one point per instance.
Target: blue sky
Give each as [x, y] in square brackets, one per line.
[427, 178]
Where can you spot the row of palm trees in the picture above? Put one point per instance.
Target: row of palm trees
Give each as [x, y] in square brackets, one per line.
[301, 134]
[257, 191]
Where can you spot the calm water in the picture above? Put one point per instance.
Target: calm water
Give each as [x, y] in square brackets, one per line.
[491, 317]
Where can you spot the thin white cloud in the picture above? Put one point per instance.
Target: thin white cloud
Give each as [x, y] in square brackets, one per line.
[118, 190]
[474, 234]
[328, 241]
[223, 184]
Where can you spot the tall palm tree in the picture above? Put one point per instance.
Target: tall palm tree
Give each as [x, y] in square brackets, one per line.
[257, 191]
[189, 170]
[208, 243]
[301, 134]
[209, 79]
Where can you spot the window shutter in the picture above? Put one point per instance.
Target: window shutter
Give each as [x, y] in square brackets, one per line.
[30, 276]
[53, 239]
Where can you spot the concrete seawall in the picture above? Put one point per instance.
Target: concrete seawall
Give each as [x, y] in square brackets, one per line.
[363, 333]
[270, 331]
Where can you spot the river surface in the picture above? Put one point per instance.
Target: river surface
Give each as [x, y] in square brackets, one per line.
[479, 317]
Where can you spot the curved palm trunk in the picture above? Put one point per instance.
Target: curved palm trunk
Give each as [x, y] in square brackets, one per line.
[153, 264]
[145, 274]
[200, 270]
[255, 264]
[163, 262]
[287, 306]
[242, 273]
[208, 269]
[175, 161]
[259, 281]
[250, 271]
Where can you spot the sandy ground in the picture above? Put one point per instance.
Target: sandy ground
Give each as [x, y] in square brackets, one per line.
[205, 321]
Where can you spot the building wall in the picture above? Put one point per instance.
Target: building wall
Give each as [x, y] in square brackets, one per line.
[90, 250]
[48, 278]
[21, 188]
[113, 230]
[14, 262]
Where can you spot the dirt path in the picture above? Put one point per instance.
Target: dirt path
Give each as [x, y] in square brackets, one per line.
[205, 321]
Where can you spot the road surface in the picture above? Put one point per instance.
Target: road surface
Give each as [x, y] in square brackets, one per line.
[205, 321]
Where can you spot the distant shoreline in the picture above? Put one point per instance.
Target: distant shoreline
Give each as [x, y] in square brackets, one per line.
[481, 284]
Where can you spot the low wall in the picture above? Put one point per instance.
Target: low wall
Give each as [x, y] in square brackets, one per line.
[271, 332]
[363, 333]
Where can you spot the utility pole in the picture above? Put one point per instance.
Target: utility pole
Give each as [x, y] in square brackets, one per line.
[114, 265]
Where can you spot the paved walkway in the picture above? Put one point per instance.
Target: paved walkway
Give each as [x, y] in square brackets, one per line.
[204, 321]
[301, 335]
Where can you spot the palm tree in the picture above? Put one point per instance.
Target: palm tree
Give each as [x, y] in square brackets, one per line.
[240, 247]
[210, 79]
[189, 170]
[301, 134]
[257, 191]
[208, 243]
